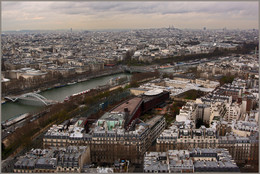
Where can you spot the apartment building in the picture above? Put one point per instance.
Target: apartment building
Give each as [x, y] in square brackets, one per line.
[68, 159]
[190, 161]
[110, 143]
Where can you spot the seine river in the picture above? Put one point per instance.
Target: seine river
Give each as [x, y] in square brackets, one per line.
[10, 109]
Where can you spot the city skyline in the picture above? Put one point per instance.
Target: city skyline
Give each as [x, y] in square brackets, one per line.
[128, 15]
[168, 93]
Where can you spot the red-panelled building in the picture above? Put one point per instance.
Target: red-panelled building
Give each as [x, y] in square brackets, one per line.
[131, 107]
[153, 100]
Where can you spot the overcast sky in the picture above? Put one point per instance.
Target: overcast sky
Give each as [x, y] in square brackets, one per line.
[122, 15]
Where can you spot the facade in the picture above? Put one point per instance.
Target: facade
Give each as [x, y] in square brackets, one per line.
[108, 145]
[231, 90]
[187, 112]
[232, 112]
[244, 150]
[207, 83]
[66, 134]
[118, 134]
[154, 98]
[244, 128]
[138, 91]
[25, 73]
[108, 139]
[72, 159]
[203, 112]
[213, 97]
[184, 135]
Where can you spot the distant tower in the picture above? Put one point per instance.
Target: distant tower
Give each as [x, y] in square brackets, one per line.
[171, 27]
[13, 50]
[71, 30]
[54, 50]
[204, 28]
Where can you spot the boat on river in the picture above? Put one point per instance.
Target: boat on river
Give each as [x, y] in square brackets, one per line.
[14, 120]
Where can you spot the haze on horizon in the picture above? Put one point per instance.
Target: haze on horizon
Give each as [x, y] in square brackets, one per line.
[81, 15]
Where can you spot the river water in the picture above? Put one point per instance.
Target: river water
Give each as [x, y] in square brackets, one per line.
[10, 109]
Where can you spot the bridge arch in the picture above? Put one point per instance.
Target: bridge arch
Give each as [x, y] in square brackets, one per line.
[12, 99]
[35, 95]
[39, 96]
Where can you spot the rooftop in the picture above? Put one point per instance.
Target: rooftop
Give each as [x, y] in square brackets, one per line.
[177, 160]
[131, 105]
[154, 120]
[50, 158]
[153, 92]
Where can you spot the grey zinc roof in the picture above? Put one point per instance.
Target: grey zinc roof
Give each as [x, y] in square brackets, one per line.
[32, 162]
[46, 161]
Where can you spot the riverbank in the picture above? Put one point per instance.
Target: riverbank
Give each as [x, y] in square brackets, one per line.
[91, 104]
[10, 109]
[25, 135]
[104, 74]
[62, 81]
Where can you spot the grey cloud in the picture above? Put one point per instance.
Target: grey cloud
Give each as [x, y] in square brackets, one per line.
[165, 7]
[11, 4]
[155, 7]
[14, 12]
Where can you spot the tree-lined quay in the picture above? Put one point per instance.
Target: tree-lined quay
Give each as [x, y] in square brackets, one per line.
[76, 106]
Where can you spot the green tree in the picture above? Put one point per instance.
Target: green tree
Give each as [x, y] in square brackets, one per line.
[134, 84]
[226, 79]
